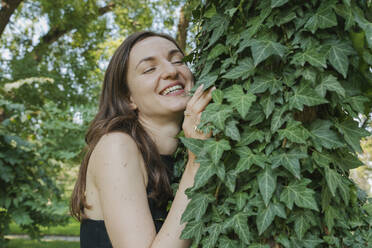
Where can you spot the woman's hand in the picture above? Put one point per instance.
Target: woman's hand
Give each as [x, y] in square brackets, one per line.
[193, 113]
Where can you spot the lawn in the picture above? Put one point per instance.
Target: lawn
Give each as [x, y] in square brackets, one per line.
[20, 243]
[71, 229]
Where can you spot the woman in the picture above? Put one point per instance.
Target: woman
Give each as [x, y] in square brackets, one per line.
[123, 184]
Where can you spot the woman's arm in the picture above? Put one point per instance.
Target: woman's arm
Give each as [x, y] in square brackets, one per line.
[171, 230]
[116, 169]
[116, 166]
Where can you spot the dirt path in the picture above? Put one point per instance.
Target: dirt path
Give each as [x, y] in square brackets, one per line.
[45, 238]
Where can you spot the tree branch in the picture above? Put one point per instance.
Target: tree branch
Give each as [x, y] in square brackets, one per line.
[56, 32]
[7, 9]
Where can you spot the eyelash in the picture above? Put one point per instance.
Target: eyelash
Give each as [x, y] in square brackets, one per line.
[153, 68]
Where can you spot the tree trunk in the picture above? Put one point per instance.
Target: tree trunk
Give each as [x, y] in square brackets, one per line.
[182, 28]
[7, 9]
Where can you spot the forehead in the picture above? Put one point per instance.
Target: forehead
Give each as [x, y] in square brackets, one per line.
[151, 46]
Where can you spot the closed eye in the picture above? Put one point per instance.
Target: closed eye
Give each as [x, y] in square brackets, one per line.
[149, 70]
[177, 62]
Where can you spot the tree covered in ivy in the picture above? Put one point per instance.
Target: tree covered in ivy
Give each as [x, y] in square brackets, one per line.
[292, 78]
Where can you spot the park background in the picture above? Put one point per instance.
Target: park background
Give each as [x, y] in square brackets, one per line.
[52, 62]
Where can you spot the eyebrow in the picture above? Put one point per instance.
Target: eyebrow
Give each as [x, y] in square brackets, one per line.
[170, 54]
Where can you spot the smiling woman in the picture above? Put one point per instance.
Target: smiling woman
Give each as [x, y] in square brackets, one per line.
[123, 185]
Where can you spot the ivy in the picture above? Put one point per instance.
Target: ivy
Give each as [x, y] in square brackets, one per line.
[291, 78]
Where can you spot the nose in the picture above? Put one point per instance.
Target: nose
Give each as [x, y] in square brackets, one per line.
[169, 70]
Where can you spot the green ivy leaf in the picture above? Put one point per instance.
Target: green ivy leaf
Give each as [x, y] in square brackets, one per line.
[216, 149]
[193, 230]
[323, 18]
[265, 217]
[290, 161]
[264, 82]
[204, 173]
[217, 114]
[243, 70]
[239, 222]
[267, 184]
[230, 181]
[277, 120]
[344, 190]
[208, 79]
[194, 145]
[217, 96]
[301, 226]
[216, 51]
[296, 192]
[330, 83]
[312, 56]
[214, 232]
[217, 33]
[278, 3]
[333, 180]
[352, 133]
[255, 115]
[232, 131]
[357, 102]
[225, 242]
[338, 56]
[346, 12]
[330, 214]
[295, 133]
[197, 207]
[248, 158]
[250, 135]
[239, 100]
[268, 105]
[279, 210]
[241, 199]
[322, 135]
[322, 158]
[311, 241]
[262, 49]
[305, 95]
[366, 26]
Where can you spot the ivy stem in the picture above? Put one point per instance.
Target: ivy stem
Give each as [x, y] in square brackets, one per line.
[284, 142]
[217, 190]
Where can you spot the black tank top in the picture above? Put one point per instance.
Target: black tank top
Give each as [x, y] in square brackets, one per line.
[93, 233]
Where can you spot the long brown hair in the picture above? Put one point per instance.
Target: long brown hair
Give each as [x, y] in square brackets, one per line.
[115, 114]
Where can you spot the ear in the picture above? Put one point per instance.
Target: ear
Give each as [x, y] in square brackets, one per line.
[132, 105]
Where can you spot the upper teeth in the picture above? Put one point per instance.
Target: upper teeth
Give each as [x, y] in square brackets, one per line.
[170, 89]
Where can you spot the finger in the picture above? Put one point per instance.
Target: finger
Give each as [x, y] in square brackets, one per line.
[203, 101]
[196, 96]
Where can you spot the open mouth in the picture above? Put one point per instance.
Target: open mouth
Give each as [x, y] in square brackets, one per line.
[173, 90]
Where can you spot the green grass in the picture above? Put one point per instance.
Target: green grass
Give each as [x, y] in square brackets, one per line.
[71, 229]
[20, 243]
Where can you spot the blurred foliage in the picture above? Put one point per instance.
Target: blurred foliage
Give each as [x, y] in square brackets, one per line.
[52, 60]
[363, 175]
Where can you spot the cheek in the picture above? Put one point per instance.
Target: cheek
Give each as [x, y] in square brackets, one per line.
[188, 75]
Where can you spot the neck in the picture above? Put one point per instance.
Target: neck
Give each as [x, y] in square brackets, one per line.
[162, 132]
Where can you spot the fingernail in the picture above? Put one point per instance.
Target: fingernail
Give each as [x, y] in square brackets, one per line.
[201, 87]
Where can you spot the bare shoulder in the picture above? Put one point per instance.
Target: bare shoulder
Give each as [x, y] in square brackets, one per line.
[116, 141]
[114, 153]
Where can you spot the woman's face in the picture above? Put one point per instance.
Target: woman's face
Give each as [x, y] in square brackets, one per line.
[157, 77]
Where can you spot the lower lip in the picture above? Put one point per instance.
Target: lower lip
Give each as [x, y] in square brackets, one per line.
[176, 93]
